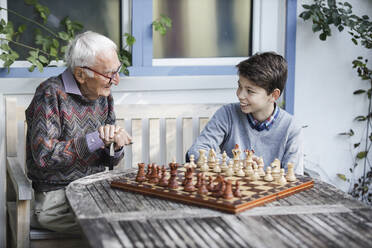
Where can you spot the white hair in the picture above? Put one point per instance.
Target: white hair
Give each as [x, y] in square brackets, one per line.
[83, 49]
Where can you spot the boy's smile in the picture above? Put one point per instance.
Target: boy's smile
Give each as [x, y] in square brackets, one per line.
[255, 100]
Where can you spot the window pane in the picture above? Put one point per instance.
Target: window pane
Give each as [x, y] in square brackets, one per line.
[204, 28]
[102, 16]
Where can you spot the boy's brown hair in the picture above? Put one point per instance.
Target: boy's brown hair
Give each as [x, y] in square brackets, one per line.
[267, 70]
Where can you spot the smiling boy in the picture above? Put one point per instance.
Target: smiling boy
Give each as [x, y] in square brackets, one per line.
[256, 122]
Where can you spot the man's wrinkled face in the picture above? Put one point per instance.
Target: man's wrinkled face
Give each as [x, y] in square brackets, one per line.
[105, 69]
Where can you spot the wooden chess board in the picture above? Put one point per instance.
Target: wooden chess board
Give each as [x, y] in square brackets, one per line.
[252, 193]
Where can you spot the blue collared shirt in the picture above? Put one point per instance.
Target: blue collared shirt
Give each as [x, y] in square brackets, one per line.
[266, 124]
[94, 142]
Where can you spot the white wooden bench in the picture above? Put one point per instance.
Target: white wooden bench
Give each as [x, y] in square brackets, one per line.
[160, 133]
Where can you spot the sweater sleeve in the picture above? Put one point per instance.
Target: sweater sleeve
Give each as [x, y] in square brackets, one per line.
[294, 149]
[214, 133]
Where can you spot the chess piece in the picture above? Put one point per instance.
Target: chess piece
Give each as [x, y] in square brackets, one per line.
[248, 156]
[230, 171]
[255, 176]
[199, 179]
[249, 170]
[210, 183]
[211, 158]
[240, 172]
[224, 159]
[189, 186]
[184, 179]
[290, 175]
[173, 183]
[268, 177]
[217, 167]
[219, 189]
[275, 170]
[205, 166]
[163, 180]
[228, 194]
[237, 192]
[192, 161]
[141, 177]
[202, 190]
[202, 157]
[261, 171]
[148, 172]
[154, 177]
[236, 152]
[282, 179]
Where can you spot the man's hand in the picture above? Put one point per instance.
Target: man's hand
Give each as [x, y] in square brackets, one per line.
[114, 134]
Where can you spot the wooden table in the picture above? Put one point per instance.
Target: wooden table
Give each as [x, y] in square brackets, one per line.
[319, 217]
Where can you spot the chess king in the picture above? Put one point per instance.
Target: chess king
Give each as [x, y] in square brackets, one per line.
[256, 121]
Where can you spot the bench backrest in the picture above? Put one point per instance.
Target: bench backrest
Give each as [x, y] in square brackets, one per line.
[161, 132]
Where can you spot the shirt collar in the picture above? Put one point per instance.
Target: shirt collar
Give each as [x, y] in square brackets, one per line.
[70, 83]
[266, 124]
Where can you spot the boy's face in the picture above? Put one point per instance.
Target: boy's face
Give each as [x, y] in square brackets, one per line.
[255, 100]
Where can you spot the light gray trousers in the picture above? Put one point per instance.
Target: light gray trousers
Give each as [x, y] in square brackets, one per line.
[50, 210]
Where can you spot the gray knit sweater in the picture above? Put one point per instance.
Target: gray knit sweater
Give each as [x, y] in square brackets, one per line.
[229, 126]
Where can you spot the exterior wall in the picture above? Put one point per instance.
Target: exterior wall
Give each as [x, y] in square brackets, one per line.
[324, 100]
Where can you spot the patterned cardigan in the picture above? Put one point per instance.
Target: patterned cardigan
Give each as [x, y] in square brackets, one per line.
[57, 124]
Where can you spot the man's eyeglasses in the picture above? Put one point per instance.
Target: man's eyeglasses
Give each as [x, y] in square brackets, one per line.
[110, 78]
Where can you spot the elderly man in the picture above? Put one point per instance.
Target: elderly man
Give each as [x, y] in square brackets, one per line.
[71, 124]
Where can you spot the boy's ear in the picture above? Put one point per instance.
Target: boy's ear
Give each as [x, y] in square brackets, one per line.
[79, 75]
[276, 94]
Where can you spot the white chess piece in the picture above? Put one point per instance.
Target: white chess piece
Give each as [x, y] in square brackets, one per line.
[211, 158]
[255, 176]
[248, 170]
[268, 177]
[290, 175]
[261, 171]
[282, 179]
[202, 158]
[192, 161]
[205, 166]
[217, 167]
[230, 171]
[224, 163]
[240, 172]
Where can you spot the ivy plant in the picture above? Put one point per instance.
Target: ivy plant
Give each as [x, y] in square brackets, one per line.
[51, 45]
[323, 15]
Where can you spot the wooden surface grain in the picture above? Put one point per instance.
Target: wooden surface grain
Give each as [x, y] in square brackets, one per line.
[322, 216]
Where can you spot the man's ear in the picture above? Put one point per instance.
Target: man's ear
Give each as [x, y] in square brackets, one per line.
[276, 94]
[79, 75]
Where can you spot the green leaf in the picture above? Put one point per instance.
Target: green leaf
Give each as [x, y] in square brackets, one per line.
[323, 36]
[360, 118]
[342, 177]
[350, 133]
[354, 41]
[30, 2]
[340, 28]
[63, 35]
[361, 155]
[55, 43]
[356, 145]
[22, 28]
[357, 92]
[53, 52]
[365, 17]
[130, 40]
[305, 6]
[43, 59]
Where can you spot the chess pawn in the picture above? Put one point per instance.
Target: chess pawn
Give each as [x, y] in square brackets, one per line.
[248, 170]
[202, 190]
[255, 176]
[237, 192]
[240, 172]
[275, 172]
[217, 167]
[201, 159]
[282, 179]
[154, 177]
[163, 180]
[224, 163]
[228, 194]
[268, 177]
[261, 171]
[192, 161]
[290, 175]
[230, 171]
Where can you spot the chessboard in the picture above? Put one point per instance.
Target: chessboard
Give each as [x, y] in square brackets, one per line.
[252, 192]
